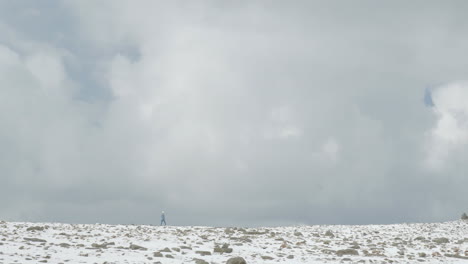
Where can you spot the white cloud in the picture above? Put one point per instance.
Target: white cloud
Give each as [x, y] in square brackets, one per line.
[282, 125]
[48, 69]
[450, 133]
[331, 149]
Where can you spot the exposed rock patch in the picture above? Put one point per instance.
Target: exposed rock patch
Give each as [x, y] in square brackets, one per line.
[236, 260]
[35, 240]
[35, 228]
[348, 251]
[441, 240]
[203, 253]
[136, 247]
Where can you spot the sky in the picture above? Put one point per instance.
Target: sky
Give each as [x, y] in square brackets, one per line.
[244, 113]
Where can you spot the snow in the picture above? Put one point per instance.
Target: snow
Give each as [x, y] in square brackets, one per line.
[399, 243]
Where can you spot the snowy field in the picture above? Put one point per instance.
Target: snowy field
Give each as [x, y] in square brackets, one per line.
[66, 243]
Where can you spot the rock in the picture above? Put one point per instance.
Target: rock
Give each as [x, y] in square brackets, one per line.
[329, 233]
[441, 240]
[224, 249]
[455, 256]
[327, 251]
[255, 232]
[290, 257]
[349, 251]
[165, 250]
[200, 261]
[422, 254]
[65, 245]
[246, 239]
[355, 245]
[464, 216]
[136, 247]
[102, 246]
[203, 253]
[157, 254]
[35, 240]
[169, 256]
[284, 245]
[185, 247]
[229, 231]
[236, 260]
[176, 249]
[297, 233]
[267, 258]
[35, 228]
[303, 242]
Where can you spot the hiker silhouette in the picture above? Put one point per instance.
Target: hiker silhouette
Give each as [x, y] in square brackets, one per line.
[163, 218]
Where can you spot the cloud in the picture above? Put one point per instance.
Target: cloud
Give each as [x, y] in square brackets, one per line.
[450, 133]
[281, 125]
[331, 149]
[239, 114]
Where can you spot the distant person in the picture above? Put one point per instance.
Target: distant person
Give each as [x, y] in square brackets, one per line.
[163, 218]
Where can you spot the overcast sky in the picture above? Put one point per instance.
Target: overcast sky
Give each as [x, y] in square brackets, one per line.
[233, 113]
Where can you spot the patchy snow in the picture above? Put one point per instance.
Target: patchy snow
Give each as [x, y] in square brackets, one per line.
[76, 243]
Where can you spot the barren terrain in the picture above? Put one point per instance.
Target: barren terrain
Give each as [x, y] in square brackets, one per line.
[78, 243]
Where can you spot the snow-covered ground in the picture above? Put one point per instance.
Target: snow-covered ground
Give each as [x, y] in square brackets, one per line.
[72, 243]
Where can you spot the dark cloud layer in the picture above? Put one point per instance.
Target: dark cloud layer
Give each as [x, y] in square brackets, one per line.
[252, 113]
